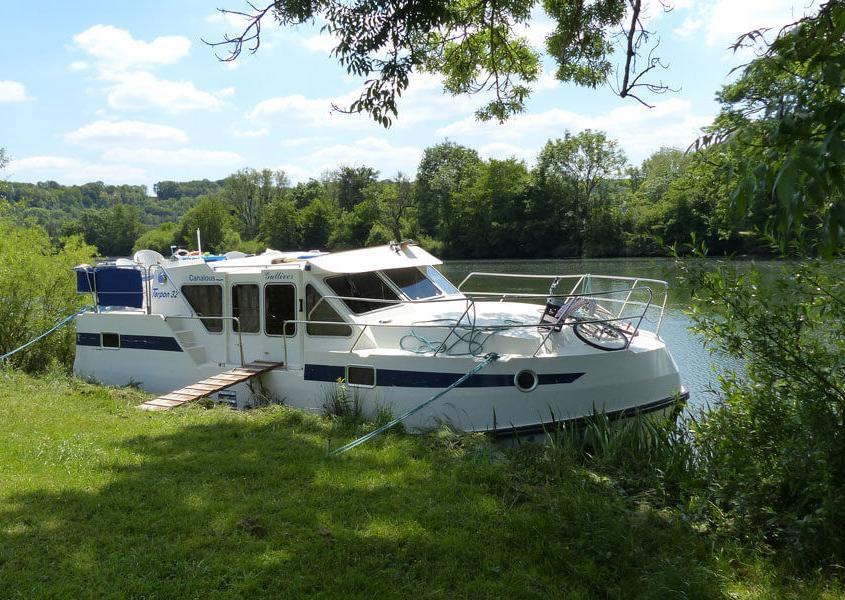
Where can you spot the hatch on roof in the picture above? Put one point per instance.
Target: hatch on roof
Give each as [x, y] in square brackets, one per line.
[394, 256]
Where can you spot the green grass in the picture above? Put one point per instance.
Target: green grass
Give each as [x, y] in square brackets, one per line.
[98, 499]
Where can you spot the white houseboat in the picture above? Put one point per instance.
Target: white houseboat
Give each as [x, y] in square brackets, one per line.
[388, 324]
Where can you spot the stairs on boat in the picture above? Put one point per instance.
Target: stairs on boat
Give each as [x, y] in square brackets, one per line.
[188, 342]
[209, 386]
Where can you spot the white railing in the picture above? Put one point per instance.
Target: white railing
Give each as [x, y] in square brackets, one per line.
[630, 323]
[582, 281]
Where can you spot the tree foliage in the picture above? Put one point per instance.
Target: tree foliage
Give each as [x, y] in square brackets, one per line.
[476, 46]
[772, 454]
[38, 289]
[248, 192]
[785, 117]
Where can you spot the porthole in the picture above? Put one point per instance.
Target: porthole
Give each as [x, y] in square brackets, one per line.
[525, 380]
[360, 376]
[110, 340]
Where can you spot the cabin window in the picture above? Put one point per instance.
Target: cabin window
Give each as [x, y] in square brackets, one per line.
[413, 283]
[279, 307]
[367, 286]
[110, 340]
[440, 281]
[322, 311]
[361, 376]
[207, 301]
[245, 308]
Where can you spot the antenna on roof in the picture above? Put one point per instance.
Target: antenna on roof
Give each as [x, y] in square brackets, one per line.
[199, 242]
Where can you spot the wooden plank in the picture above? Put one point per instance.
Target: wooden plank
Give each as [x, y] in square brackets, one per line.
[163, 402]
[209, 386]
[201, 387]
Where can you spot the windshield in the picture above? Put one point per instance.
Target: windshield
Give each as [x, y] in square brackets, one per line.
[413, 283]
[365, 286]
[440, 281]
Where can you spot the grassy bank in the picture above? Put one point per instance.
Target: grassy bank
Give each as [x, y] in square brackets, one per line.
[100, 499]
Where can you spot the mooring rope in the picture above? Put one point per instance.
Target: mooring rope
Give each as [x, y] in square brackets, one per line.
[58, 325]
[488, 358]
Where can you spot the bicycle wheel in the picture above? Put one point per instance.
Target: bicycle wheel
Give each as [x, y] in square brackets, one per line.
[603, 336]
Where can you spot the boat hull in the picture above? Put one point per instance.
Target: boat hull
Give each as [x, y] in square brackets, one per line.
[568, 387]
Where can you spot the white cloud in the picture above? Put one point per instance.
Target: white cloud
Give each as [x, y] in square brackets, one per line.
[115, 48]
[124, 65]
[140, 89]
[688, 27]
[639, 130]
[73, 170]
[13, 91]
[260, 132]
[726, 20]
[315, 112]
[423, 101]
[181, 156]
[229, 18]
[322, 43]
[300, 141]
[501, 151]
[111, 132]
[370, 151]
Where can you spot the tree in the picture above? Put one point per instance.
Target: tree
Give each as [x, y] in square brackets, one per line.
[348, 184]
[575, 166]
[159, 239]
[113, 230]
[211, 216]
[395, 201]
[280, 225]
[248, 191]
[165, 190]
[317, 220]
[785, 119]
[38, 290]
[659, 170]
[4, 158]
[477, 47]
[445, 170]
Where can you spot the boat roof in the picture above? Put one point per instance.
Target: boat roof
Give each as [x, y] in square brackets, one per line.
[377, 258]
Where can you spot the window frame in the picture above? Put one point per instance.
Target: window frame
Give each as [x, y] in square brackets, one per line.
[218, 318]
[401, 292]
[264, 300]
[342, 322]
[102, 340]
[400, 297]
[361, 385]
[236, 328]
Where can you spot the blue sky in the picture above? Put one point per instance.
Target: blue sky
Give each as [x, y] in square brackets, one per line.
[126, 92]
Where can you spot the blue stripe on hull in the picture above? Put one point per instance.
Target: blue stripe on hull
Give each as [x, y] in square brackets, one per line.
[87, 339]
[423, 379]
[133, 342]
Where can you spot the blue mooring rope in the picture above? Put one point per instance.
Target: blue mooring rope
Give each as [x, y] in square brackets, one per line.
[488, 358]
[58, 325]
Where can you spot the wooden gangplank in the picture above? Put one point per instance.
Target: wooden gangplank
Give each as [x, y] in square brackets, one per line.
[209, 386]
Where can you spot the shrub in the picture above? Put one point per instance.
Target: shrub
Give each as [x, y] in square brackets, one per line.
[772, 454]
[37, 289]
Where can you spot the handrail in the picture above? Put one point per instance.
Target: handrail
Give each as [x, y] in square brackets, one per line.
[580, 278]
[234, 319]
[539, 276]
[471, 304]
[495, 328]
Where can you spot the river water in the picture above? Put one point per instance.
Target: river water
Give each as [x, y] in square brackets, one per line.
[699, 368]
